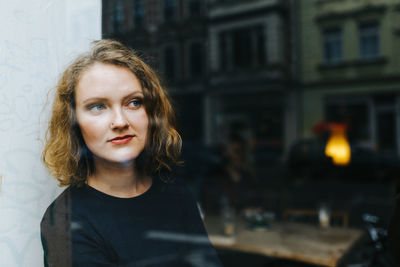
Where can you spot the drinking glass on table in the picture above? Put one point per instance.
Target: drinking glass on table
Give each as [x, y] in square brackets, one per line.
[324, 215]
[227, 217]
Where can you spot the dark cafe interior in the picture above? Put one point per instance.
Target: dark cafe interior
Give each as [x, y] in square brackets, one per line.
[289, 113]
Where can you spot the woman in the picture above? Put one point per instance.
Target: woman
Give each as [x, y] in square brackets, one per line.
[112, 140]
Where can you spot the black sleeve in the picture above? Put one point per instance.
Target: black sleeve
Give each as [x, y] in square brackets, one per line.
[68, 241]
[55, 235]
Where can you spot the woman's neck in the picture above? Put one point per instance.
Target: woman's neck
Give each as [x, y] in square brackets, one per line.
[118, 179]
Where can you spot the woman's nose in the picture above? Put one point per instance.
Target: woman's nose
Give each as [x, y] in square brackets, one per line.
[118, 119]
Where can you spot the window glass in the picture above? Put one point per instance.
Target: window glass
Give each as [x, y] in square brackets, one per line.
[354, 115]
[169, 63]
[194, 7]
[386, 131]
[196, 59]
[242, 48]
[169, 9]
[223, 50]
[260, 46]
[138, 12]
[369, 40]
[332, 45]
[118, 17]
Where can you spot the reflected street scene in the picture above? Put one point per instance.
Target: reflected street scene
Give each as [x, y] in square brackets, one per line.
[289, 112]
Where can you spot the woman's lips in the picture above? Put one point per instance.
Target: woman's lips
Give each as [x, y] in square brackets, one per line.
[121, 140]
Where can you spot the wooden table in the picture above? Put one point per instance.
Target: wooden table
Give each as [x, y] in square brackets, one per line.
[292, 241]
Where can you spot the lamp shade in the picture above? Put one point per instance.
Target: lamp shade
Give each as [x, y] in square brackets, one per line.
[338, 147]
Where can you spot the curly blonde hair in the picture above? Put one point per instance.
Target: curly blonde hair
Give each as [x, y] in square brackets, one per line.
[66, 154]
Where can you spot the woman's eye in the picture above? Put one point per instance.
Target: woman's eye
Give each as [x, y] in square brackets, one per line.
[96, 107]
[135, 103]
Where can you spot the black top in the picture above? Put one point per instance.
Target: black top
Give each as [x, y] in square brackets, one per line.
[161, 227]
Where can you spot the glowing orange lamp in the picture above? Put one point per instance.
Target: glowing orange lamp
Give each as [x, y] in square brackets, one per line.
[338, 147]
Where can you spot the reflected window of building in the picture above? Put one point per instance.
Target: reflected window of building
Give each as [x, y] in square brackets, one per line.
[118, 16]
[332, 45]
[385, 121]
[196, 55]
[224, 52]
[369, 41]
[370, 120]
[169, 10]
[138, 12]
[259, 44]
[353, 113]
[242, 48]
[170, 62]
[268, 133]
[194, 7]
[386, 131]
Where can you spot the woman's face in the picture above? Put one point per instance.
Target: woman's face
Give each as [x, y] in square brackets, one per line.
[110, 113]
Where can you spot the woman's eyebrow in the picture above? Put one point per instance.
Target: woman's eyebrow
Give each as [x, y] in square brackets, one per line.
[94, 99]
[136, 93]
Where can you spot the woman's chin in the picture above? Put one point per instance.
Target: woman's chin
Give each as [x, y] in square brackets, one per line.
[122, 160]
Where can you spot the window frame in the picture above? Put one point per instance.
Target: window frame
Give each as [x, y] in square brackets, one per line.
[367, 33]
[173, 8]
[189, 8]
[257, 49]
[189, 61]
[118, 17]
[330, 37]
[135, 13]
[176, 67]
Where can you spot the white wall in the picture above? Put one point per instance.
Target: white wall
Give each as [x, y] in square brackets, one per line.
[37, 39]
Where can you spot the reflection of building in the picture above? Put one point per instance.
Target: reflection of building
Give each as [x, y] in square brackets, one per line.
[172, 35]
[351, 69]
[249, 72]
[227, 64]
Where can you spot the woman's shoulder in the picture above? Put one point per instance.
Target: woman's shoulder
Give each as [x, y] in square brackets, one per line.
[58, 206]
[61, 207]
